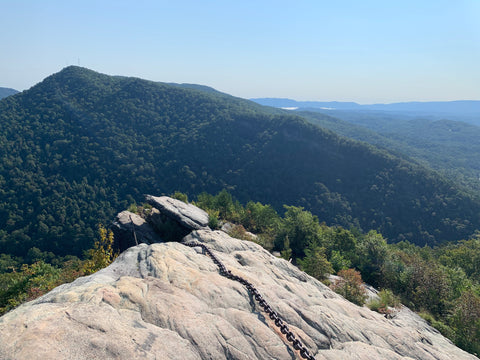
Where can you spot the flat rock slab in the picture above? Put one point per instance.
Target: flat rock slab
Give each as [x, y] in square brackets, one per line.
[187, 215]
[169, 301]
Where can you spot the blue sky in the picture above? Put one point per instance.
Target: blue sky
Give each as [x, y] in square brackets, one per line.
[363, 51]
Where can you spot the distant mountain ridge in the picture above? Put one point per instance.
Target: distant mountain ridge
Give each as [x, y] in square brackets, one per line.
[80, 146]
[4, 92]
[454, 107]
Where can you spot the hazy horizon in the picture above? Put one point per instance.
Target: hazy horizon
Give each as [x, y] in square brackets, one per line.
[369, 52]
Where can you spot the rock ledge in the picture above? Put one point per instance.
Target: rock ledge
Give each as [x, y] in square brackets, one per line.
[168, 301]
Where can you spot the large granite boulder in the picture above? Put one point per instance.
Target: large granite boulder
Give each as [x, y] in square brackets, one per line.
[169, 301]
[187, 215]
[168, 220]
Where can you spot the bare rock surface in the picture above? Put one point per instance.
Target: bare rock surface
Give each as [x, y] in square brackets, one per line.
[131, 229]
[168, 301]
[188, 215]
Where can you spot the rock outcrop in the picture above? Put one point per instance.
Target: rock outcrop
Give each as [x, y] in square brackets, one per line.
[187, 215]
[169, 301]
[168, 220]
[131, 229]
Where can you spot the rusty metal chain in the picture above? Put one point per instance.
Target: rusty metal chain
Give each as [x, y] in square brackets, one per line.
[297, 344]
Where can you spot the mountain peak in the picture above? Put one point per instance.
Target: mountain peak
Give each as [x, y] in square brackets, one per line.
[73, 70]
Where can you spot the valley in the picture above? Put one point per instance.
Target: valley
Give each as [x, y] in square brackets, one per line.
[79, 146]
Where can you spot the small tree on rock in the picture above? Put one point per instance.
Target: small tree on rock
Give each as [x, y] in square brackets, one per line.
[350, 286]
[315, 263]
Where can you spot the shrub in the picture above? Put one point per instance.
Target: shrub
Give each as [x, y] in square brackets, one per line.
[213, 221]
[437, 324]
[387, 300]
[133, 208]
[239, 232]
[265, 241]
[286, 253]
[102, 253]
[180, 196]
[27, 284]
[466, 321]
[315, 262]
[350, 286]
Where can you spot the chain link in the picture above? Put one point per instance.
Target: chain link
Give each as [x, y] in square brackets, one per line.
[297, 344]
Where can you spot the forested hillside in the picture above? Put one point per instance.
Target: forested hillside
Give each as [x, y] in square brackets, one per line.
[80, 146]
[451, 147]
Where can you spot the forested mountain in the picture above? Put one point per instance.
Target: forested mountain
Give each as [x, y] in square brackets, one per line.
[4, 92]
[451, 147]
[80, 146]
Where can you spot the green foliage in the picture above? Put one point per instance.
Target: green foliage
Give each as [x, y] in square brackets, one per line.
[286, 253]
[343, 240]
[464, 254]
[8, 263]
[428, 280]
[350, 286]
[315, 262]
[26, 284]
[450, 147]
[434, 282]
[80, 146]
[102, 253]
[224, 204]
[180, 196]
[386, 300]
[301, 228]
[265, 241]
[339, 262]
[205, 201]
[239, 232]
[438, 324]
[259, 218]
[133, 208]
[457, 281]
[466, 321]
[371, 254]
[341, 247]
[213, 222]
